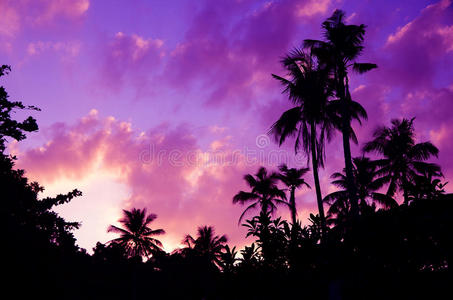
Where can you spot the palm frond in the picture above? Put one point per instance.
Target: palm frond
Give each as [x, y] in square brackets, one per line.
[385, 200]
[243, 197]
[286, 125]
[250, 207]
[363, 67]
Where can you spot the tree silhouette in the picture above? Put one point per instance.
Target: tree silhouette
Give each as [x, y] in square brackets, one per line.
[425, 187]
[249, 262]
[111, 253]
[404, 159]
[228, 259]
[22, 210]
[137, 237]
[40, 250]
[8, 126]
[342, 46]
[264, 194]
[250, 256]
[207, 244]
[367, 182]
[309, 88]
[292, 178]
[273, 237]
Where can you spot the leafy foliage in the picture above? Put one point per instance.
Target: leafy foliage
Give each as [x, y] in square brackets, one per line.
[8, 126]
[292, 178]
[404, 159]
[206, 245]
[264, 193]
[136, 238]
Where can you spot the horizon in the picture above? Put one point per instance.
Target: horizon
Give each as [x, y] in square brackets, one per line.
[168, 105]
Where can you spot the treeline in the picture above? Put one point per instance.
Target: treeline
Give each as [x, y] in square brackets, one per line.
[367, 245]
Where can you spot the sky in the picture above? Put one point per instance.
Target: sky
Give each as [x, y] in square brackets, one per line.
[166, 104]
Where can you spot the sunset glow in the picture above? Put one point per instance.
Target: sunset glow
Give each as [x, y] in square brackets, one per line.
[167, 104]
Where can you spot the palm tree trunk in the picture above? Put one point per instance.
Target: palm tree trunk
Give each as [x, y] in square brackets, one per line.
[352, 189]
[405, 193]
[314, 161]
[294, 228]
[292, 203]
[265, 236]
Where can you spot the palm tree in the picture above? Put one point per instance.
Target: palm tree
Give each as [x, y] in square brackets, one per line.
[292, 178]
[136, 238]
[207, 244]
[264, 194]
[343, 45]
[404, 159]
[367, 183]
[309, 88]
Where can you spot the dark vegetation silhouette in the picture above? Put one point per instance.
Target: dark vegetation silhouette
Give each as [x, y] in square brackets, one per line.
[403, 159]
[136, 238]
[339, 51]
[264, 193]
[367, 182]
[374, 243]
[292, 178]
[309, 88]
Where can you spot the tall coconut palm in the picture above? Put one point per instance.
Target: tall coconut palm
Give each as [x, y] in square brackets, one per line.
[264, 193]
[367, 182]
[310, 121]
[404, 159]
[207, 244]
[136, 237]
[292, 178]
[342, 46]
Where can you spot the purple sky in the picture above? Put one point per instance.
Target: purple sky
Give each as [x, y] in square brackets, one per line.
[160, 104]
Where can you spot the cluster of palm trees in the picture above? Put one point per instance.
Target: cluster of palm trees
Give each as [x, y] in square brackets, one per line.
[403, 161]
[319, 88]
[367, 245]
[317, 84]
[137, 239]
[265, 193]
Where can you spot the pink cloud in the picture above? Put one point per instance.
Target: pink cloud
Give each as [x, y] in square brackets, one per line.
[314, 7]
[50, 9]
[221, 58]
[416, 51]
[67, 50]
[232, 60]
[129, 59]
[69, 152]
[433, 121]
[9, 21]
[38, 12]
[164, 169]
[18, 16]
